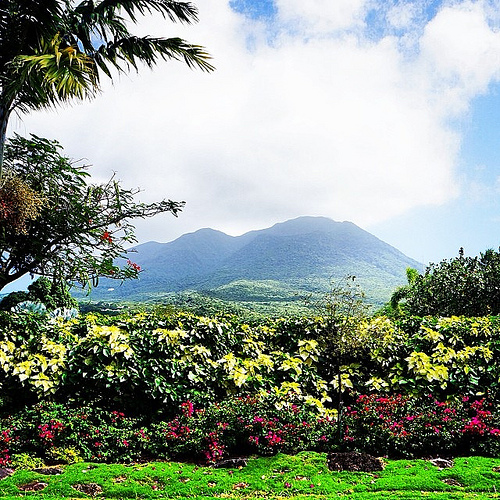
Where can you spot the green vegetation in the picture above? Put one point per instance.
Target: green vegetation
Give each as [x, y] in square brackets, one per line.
[304, 476]
[285, 392]
[124, 403]
[462, 286]
[53, 51]
[232, 376]
[52, 294]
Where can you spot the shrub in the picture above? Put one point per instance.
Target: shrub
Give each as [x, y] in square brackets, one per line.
[265, 424]
[405, 426]
[61, 433]
[25, 461]
[164, 360]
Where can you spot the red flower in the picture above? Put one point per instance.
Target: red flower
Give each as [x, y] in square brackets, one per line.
[133, 265]
[106, 237]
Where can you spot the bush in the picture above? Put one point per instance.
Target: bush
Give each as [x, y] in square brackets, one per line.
[163, 360]
[51, 294]
[56, 432]
[467, 286]
[264, 424]
[25, 461]
[404, 426]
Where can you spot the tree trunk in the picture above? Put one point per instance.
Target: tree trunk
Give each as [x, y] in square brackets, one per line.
[4, 120]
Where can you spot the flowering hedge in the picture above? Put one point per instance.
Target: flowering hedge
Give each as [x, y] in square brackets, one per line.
[264, 424]
[408, 426]
[395, 426]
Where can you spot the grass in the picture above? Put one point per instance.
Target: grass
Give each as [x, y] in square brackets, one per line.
[303, 476]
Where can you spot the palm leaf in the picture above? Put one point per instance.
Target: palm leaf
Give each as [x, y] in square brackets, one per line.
[184, 12]
[54, 50]
[55, 74]
[147, 50]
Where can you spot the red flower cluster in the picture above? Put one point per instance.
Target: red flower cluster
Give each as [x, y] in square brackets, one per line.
[409, 426]
[5, 439]
[48, 432]
[116, 416]
[187, 407]
[176, 430]
[215, 449]
[133, 266]
[5, 210]
[106, 236]
[478, 424]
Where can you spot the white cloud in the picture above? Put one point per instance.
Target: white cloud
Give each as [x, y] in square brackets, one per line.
[339, 126]
[462, 52]
[321, 15]
[401, 15]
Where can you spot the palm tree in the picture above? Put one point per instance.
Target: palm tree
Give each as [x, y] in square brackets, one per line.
[53, 51]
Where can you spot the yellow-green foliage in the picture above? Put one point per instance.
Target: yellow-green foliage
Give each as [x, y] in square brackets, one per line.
[177, 357]
[447, 353]
[39, 365]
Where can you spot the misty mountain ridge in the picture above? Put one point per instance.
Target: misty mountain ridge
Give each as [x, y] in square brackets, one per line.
[280, 263]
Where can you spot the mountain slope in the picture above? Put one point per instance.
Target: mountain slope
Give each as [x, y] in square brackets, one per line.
[291, 257]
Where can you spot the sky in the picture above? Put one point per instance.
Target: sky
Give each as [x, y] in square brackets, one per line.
[382, 113]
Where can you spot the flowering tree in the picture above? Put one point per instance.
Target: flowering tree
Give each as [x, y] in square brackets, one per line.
[64, 228]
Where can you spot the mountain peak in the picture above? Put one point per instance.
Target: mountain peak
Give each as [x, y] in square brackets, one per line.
[306, 224]
[300, 254]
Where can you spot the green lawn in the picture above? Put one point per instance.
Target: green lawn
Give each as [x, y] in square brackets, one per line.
[303, 476]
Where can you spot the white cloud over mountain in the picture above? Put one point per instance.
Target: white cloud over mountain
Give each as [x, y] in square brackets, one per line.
[306, 114]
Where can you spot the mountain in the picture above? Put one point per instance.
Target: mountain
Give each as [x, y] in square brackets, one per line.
[280, 263]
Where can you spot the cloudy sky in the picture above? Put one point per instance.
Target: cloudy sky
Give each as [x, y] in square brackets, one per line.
[385, 113]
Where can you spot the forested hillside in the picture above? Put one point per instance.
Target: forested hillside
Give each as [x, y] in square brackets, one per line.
[282, 263]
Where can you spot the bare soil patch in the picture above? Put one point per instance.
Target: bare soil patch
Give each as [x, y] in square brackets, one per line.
[33, 486]
[354, 462]
[91, 489]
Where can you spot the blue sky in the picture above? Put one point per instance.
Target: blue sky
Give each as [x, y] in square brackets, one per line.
[472, 220]
[383, 113]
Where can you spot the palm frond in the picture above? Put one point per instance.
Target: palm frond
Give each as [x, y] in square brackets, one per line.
[184, 12]
[53, 75]
[24, 23]
[55, 50]
[147, 50]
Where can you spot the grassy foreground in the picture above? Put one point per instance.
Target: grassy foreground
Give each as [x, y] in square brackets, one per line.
[303, 476]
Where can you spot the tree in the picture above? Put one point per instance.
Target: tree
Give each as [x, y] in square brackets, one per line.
[343, 309]
[468, 286]
[80, 229]
[52, 51]
[393, 308]
[52, 294]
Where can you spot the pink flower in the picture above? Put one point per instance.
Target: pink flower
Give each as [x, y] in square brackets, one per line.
[254, 439]
[187, 407]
